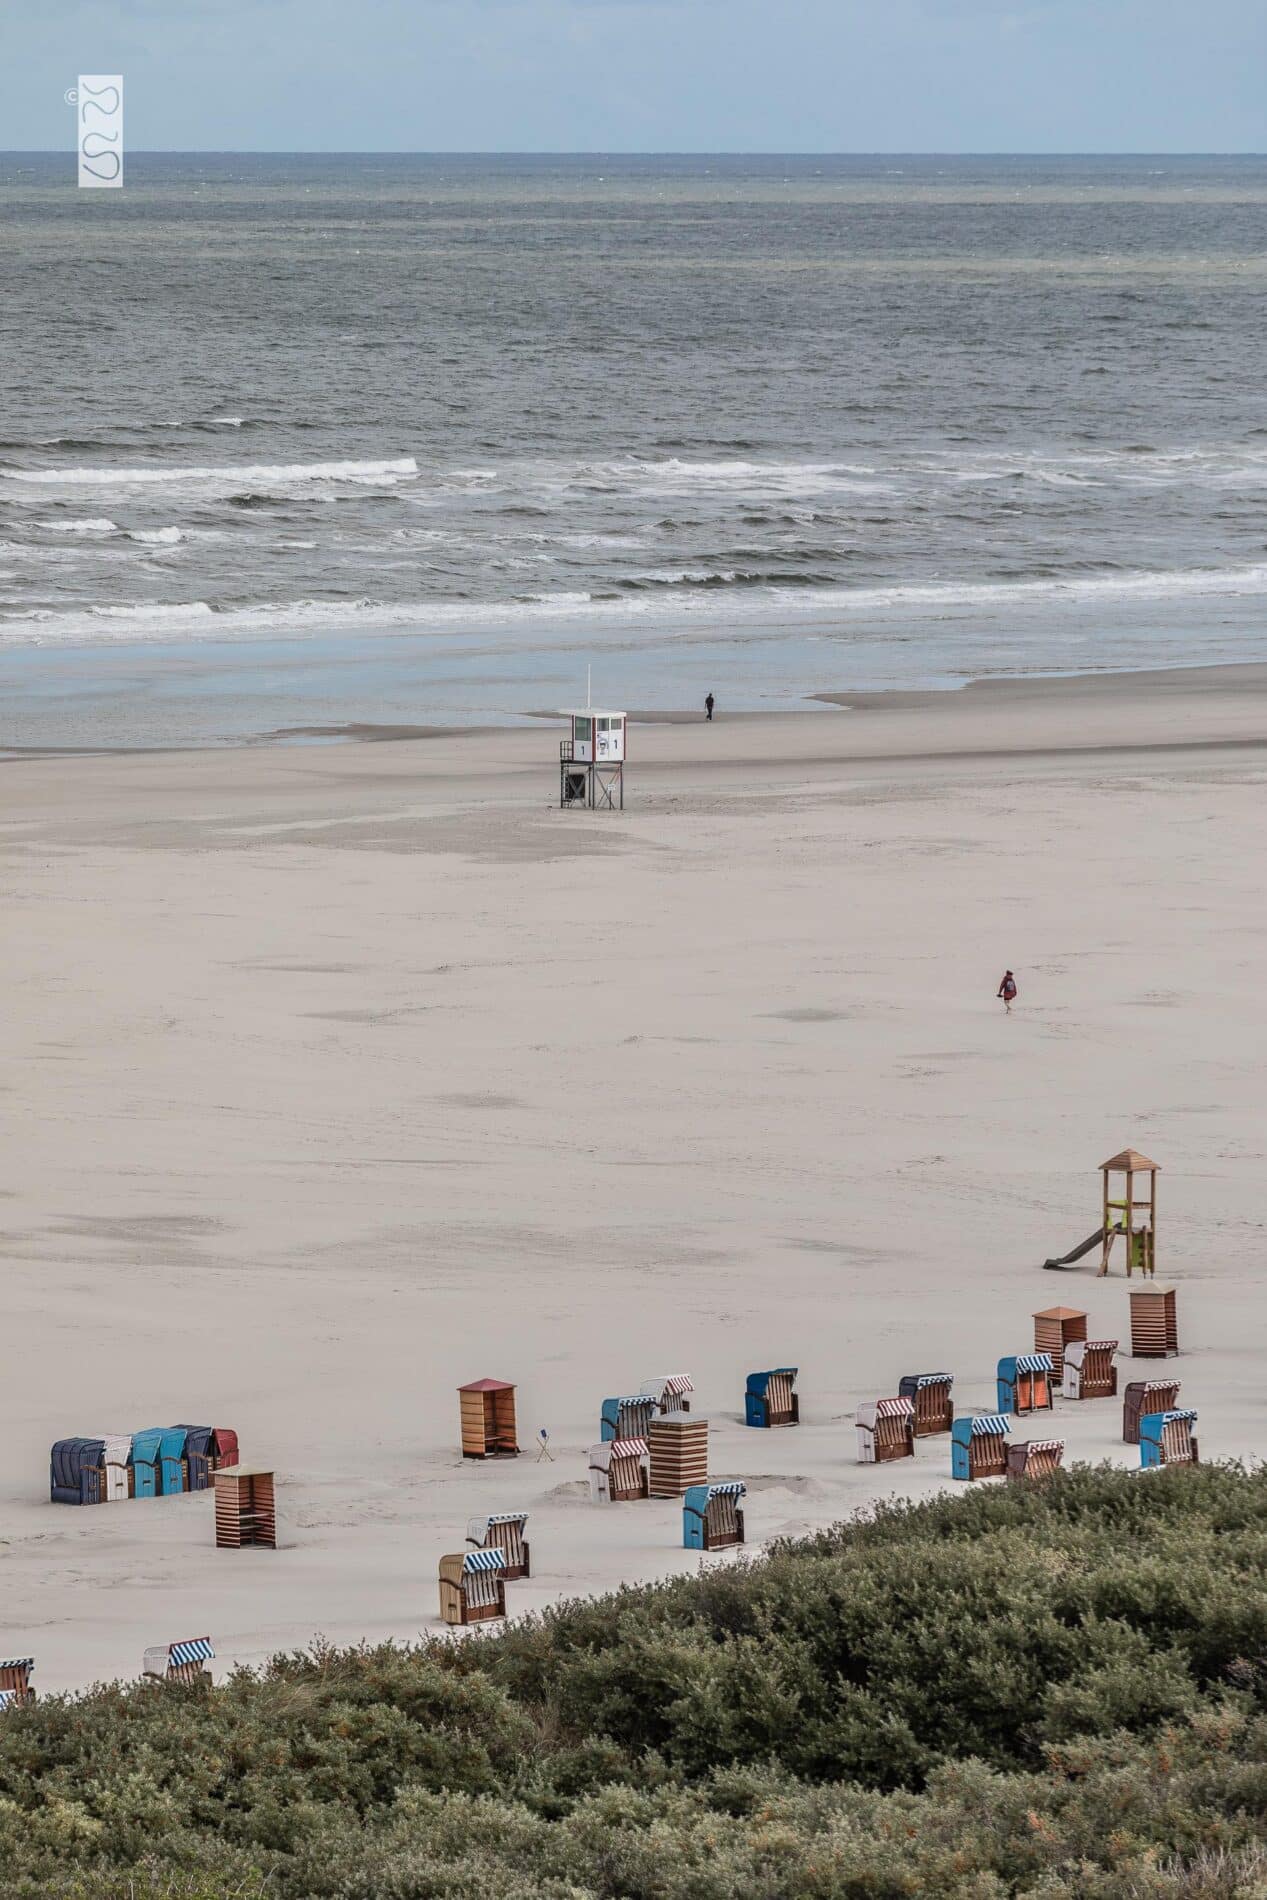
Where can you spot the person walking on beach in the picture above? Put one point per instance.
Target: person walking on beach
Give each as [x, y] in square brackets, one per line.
[708, 708]
[1007, 990]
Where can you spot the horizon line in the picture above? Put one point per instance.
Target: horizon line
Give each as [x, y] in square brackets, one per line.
[356, 151]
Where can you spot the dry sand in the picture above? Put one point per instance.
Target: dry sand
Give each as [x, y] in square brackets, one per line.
[339, 1075]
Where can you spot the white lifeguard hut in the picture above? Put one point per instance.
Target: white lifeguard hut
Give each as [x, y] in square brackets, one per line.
[592, 759]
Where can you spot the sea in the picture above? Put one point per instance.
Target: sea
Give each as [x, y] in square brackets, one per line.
[294, 442]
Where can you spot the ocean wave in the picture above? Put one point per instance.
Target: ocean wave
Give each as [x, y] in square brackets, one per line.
[97, 525]
[163, 537]
[402, 468]
[770, 596]
[727, 577]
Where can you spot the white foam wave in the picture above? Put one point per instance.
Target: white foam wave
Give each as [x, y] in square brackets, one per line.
[297, 618]
[96, 526]
[162, 537]
[403, 468]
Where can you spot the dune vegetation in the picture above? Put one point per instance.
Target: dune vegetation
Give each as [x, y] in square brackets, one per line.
[1038, 1691]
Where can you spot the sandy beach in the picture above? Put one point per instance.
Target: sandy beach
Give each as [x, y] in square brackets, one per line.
[340, 1074]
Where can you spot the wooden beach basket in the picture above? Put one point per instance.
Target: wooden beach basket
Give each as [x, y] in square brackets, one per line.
[712, 1516]
[1023, 1383]
[886, 1430]
[15, 1681]
[669, 1391]
[180, 1662]
[978, 1446]
[618, 1471]
[504, 1532]
[1089, 1370]
[627, 1417]
[472, 1586]
[930, 1394]
[1167, 1438]
[1036, 1458]
[1143, 1396]
[771, 1398]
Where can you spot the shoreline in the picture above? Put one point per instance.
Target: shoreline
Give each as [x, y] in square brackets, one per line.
[1200, 692]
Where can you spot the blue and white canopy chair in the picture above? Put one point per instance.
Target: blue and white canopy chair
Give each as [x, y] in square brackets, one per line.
[472, 1586]
[712, 1515]
[180, 1662]
[1166, 1438]
[978, 1445]
[1024, 1383]
[930, 1394]
[15, 1681]
[629, 1417]
[503, 1532]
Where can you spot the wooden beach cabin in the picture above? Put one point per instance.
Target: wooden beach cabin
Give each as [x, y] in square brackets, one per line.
[180, 1662]
[1024, 1383]
[246, 1509]
[1127, 1215]
[1055, 1328]
[930, 1394]
[712, 1516]
[771, 1398]
[978, 1446]
[15, 1682]
[472, 1586]
[1154, 1322]
[618, 1471]
[1089, 1370]
[626, 1418]
[669, 1391]
[1036, 1458]
[1166, 1438]
[503, 1532]
[172, 1472]
[77, 1471]
[146, 1447]
[1143, 1396]
[488, 1419]
[886, 1430]
[677, 1453]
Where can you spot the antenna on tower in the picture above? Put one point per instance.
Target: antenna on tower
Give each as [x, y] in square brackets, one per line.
[589, 693]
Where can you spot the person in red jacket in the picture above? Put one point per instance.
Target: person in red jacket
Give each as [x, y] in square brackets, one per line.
[1007, 990]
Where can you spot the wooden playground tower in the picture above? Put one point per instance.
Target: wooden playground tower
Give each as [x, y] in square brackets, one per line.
[1134, 1219]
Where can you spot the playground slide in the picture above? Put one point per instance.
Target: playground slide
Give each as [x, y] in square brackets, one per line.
[1076, 1253]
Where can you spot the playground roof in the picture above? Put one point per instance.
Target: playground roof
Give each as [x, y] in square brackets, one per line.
[1131, 1161]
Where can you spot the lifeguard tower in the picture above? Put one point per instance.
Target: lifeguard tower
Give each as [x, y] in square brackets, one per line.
[592, 760]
